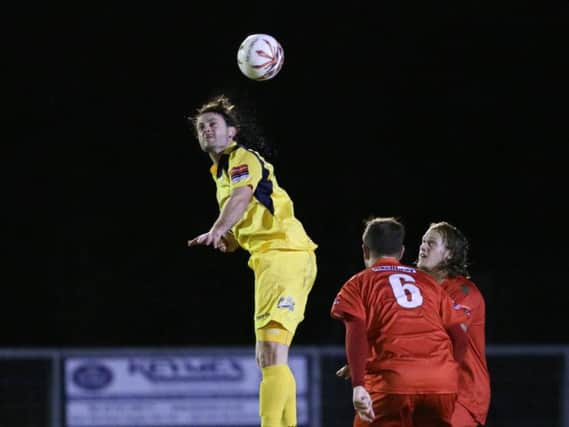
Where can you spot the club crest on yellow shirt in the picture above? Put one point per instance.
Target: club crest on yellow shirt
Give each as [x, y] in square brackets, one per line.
[286, 302]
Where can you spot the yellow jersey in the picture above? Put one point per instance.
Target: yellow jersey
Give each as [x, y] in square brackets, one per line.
[268, 222]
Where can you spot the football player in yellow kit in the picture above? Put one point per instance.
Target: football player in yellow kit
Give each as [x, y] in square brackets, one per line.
[257, 215]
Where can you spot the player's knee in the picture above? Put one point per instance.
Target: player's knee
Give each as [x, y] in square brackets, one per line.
[266, 354]
[271, 353]
[273, 342]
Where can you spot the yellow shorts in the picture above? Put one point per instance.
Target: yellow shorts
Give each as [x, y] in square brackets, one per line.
[283, 280]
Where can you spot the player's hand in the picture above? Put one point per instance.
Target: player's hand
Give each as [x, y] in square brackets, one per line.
[211, 238]
[363, 404]
[228, 243]
[199, 240]
[344, 372]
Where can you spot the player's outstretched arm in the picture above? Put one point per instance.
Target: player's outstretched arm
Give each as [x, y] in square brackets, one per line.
[232, 212]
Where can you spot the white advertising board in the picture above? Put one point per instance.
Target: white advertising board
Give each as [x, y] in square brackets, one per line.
[171, 390]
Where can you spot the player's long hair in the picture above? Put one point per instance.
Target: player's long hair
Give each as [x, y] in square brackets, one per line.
[457, 244]
[249, 133]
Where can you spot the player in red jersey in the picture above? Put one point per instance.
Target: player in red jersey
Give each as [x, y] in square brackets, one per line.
[444, 255]
[403, 334]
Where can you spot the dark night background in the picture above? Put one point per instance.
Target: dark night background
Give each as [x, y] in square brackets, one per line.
[422, 111]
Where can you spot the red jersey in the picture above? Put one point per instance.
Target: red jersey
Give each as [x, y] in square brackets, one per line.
[474, 380]
[406, 314]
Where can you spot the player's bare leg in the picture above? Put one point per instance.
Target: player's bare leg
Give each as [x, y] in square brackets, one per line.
[269, 353]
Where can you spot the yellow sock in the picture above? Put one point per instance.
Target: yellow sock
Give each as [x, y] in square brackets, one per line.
[277, 397]
[289, 415]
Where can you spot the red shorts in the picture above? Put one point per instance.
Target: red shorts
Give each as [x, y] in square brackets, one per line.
[462, 418]
[411, 410]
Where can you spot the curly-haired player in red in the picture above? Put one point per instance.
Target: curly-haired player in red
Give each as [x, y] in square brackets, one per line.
[444, 255]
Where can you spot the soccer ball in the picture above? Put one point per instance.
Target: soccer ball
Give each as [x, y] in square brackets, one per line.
[260, 57]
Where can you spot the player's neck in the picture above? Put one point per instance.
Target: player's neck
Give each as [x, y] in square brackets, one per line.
[438, 275]
[369, 262]
[215, 157]
[216, 154]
